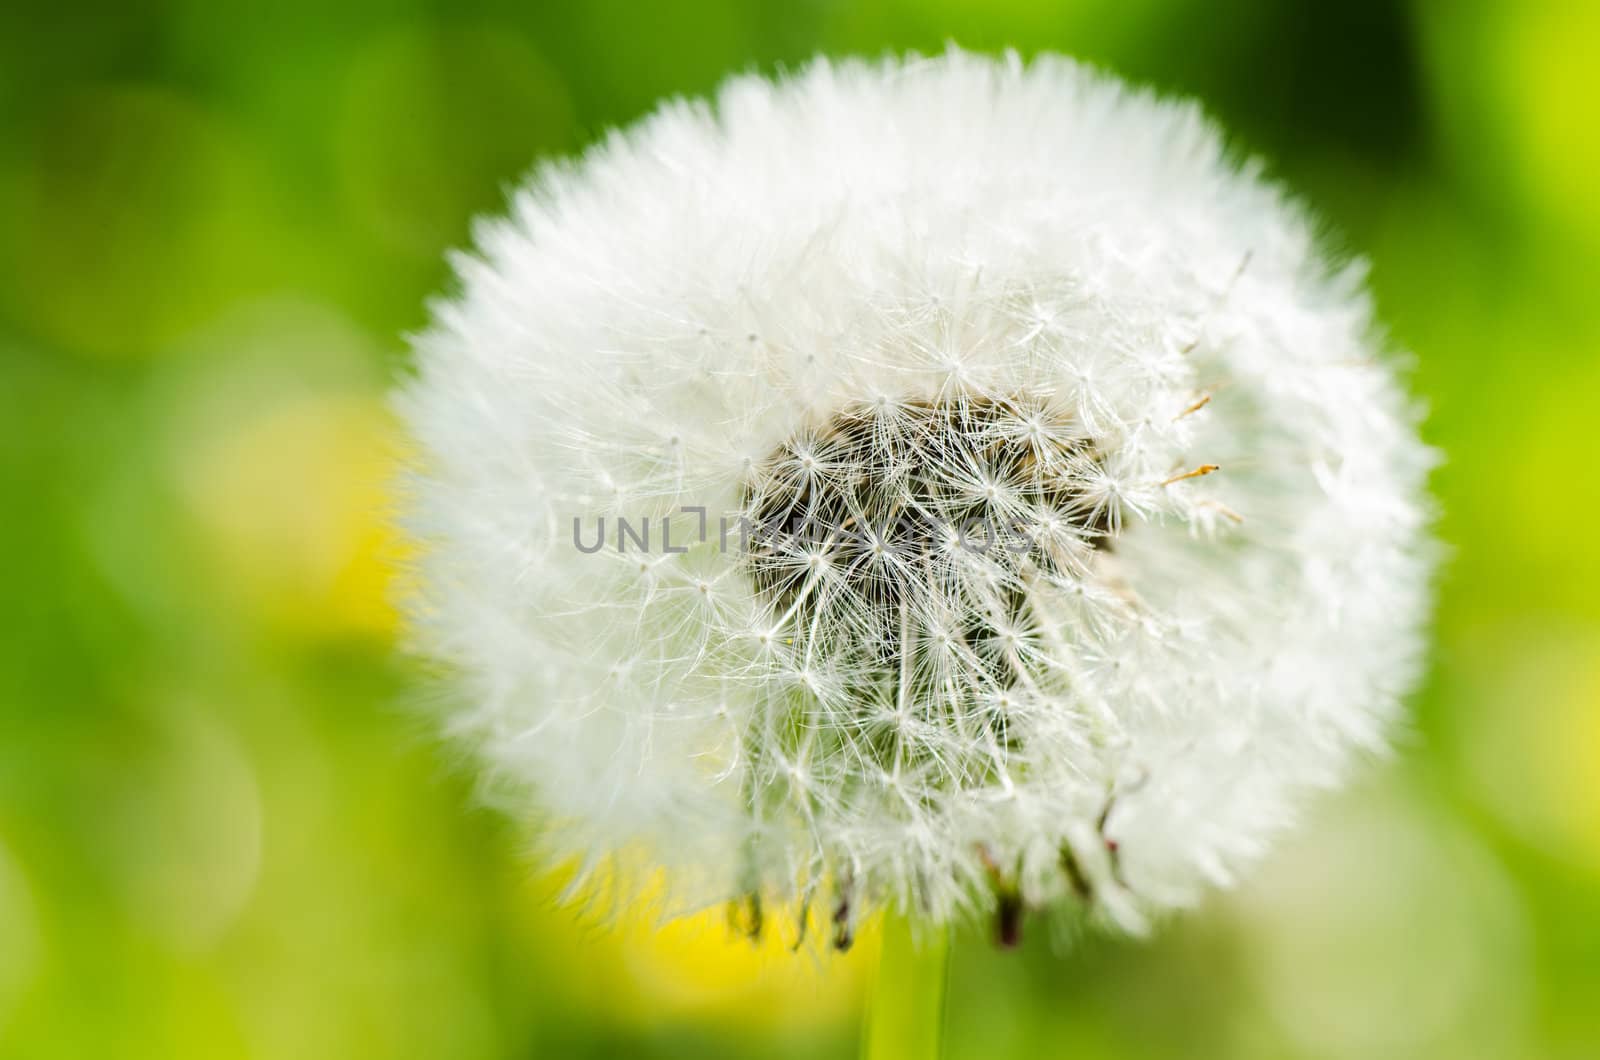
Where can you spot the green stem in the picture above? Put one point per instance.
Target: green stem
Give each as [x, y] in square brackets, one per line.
[905, 1014]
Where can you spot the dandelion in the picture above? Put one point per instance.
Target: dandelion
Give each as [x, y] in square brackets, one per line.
[1077, 517]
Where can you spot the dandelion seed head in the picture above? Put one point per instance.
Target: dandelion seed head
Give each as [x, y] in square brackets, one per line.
[1062, 522]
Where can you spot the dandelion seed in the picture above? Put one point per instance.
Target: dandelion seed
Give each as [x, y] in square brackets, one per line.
[873, 316]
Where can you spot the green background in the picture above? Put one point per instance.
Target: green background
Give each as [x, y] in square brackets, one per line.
[224, 831]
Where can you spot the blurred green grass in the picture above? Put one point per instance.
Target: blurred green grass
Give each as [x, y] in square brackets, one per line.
[223, 833]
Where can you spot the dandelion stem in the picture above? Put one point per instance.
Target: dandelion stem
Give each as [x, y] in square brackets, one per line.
[905, 1014]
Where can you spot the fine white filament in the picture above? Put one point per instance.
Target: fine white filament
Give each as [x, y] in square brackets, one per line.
[779, 355]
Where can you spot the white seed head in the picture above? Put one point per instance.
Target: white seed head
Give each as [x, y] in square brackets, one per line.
[942, 482]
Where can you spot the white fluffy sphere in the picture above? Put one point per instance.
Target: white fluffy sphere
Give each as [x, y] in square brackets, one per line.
[1043, 520]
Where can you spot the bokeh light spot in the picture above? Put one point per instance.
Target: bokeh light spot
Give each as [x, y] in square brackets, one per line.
[126, 225]
[436, 122]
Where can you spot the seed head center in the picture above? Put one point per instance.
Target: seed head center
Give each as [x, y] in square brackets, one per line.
[890, 519]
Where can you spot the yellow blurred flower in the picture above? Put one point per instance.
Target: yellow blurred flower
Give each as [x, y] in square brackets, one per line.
[703, 966]
[293, 502]
[285, 455]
